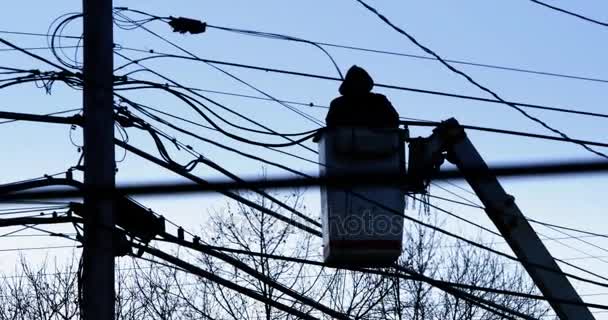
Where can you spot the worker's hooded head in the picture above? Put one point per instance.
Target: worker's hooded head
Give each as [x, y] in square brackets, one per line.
[357, 82]
[358, 106]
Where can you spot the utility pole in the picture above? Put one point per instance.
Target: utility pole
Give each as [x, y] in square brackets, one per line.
[98, 127]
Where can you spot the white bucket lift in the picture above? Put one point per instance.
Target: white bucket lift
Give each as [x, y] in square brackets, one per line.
[356, 229]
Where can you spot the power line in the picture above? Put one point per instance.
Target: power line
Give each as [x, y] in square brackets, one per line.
[37, 248]
[468, 241]
[318, 44]
[604, 24]
[401, 54]
[202, 184]
[409, 55]
[213, 165]
[478, 128]
[407, 275]
[468, 63]
[379, 204]
[183, 265]
[441, 285]
[546, 224]
[35, 56]
[304, 115]
[237, 263]
[280, 37]
[38, 48]
[233, 94]
[207, 99]
[497, 234]
[479, 226]
[191, 102]
[510, 132]
[381, 85]
[364, 49]
[36, 34]
[210, 141]
[413, 123]
[536, 170]
[475, 83]
[594, 234]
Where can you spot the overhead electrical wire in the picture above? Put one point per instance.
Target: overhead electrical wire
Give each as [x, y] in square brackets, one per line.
[191, 102]
[35, 56]
[378, 51]
[594, 234]
[581, 240]
[304, 115]
[313, 132]
[320, 45]
[543, 223]
[37, 34]
[290, 182]
[270, 35]
[212, 101]
[268, 281]
[201, 184]
[223, 146]
[479, 226]
[202, 159]
[202, 247]
[509, 132]
[37, 248]
[475, 83]
[142, 108]
[210, 249]
[478, 128]
[456, 292]
[234, 94]
[54, 42]
[221, 281]
[543, 237]
[468, 201]
[254, 33]
[158, 55]
[570, 13]
[155, 85]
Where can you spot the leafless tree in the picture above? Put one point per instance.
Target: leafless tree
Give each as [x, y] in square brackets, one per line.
[149, 290]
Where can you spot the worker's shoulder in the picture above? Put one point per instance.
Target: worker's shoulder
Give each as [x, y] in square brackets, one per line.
[378, 97]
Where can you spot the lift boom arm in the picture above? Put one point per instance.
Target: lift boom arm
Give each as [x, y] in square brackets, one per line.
[450, 138]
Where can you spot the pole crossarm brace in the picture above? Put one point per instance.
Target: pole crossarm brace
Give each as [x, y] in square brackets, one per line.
[450, 141]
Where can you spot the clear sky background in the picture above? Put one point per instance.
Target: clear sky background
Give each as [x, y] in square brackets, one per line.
[514, 33]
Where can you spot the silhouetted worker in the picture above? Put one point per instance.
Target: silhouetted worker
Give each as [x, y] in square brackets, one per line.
[358, 106]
